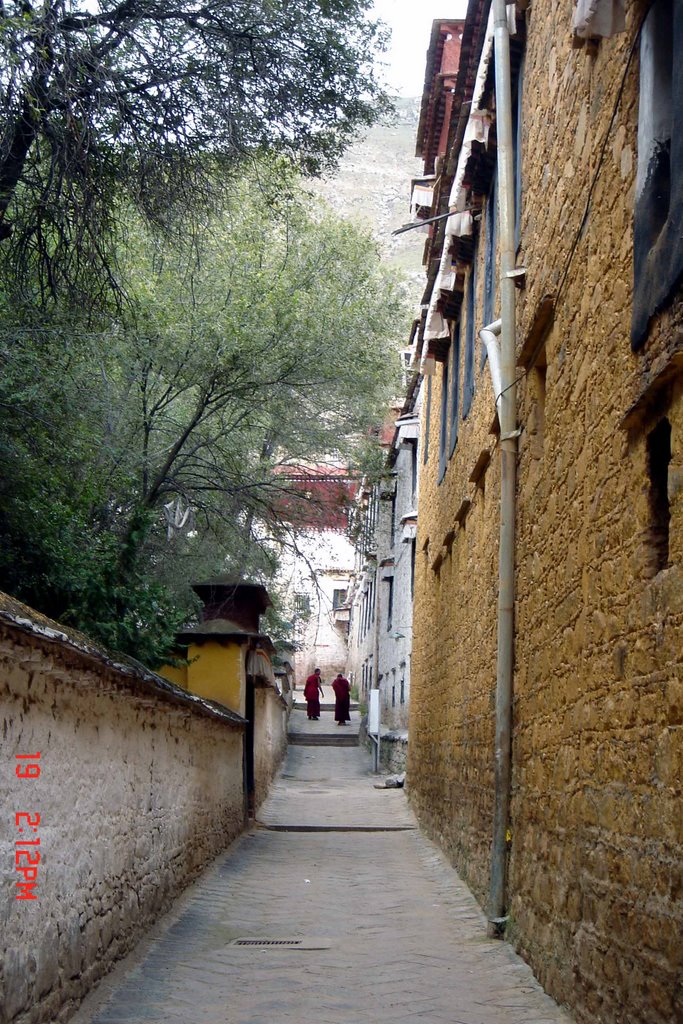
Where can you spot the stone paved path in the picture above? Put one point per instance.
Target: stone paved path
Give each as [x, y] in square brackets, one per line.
[387, 932]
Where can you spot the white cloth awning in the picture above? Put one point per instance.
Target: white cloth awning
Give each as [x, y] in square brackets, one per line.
[460, 223]
[423, 195]
[478, 127]
[408, 429]
[478, 115]
[428, 366]
[436, 326]
[408, 533]
[598, 18]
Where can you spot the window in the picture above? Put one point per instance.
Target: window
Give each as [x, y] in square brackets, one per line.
[413, 553]
[390, 601]
[517, 154]
[490, 260]
[412, 448]
[658, 459]
[402, 697]
[339, 598]
[302, 605]
[658, 215]
[468, 371]
[538, 376]
[392, 523]
[455, 373]
[428, 415]
[443, 429]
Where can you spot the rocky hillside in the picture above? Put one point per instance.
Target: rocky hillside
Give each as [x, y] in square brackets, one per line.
[372, 187]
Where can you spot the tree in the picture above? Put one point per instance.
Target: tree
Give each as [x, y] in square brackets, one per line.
[267, 346]
[152, 100]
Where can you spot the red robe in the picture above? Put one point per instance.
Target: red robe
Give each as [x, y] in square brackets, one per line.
[312, 695]
[342, 704]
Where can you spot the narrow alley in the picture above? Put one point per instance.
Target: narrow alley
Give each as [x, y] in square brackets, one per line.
[358, 917]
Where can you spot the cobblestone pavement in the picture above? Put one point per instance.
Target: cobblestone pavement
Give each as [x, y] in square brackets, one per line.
[387, 932]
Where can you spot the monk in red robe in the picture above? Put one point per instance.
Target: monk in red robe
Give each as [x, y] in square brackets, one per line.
[313, 690]
[342, 703]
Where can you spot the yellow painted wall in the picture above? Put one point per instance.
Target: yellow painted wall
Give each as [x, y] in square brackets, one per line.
[215, 671]
[175, 674]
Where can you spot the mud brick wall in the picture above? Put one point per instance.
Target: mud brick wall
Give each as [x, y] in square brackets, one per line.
[595, 874]
[597, 815]
[453, 677]
[140, 787]
[270, 739]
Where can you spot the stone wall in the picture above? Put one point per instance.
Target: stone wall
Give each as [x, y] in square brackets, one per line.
[394, 750]
[597, 824]
[450, 766]
[270, 739]
[595, 876]
[140, 786]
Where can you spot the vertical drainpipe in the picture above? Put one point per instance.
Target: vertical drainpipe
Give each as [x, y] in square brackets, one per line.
[376, 638]
[507, 411]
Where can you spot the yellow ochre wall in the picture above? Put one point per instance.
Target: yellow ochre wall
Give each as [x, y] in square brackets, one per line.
[215, 671]
[596, 856]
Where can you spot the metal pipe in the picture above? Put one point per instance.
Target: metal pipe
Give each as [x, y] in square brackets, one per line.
[489, 335]
[507, 414]
[378, 614]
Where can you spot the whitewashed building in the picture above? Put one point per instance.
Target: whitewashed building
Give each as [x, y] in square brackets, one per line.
[317, 570]
[381, 595]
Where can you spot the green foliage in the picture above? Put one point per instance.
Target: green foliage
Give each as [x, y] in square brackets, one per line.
[152, 104]
[263, 344]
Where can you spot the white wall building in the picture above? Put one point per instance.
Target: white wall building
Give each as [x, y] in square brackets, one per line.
[380, 636]
[320, 581]
[316, 569]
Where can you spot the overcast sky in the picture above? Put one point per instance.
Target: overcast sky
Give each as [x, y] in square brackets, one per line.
[410, 22]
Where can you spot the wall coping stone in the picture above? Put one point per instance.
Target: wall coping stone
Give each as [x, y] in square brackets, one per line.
[142, 682]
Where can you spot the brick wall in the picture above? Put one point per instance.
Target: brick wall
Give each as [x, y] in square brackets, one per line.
[140, 787]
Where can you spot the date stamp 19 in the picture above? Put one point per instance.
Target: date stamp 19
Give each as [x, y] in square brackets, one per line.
[27, 854]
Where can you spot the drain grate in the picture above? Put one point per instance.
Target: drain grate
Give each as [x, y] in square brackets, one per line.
[267, 942]
[255, 942]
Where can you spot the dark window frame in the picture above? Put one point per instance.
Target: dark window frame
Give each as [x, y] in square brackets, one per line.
[658, 212]
[443, 424]
[389, 580]
[517, 121]
[455, 389]
[468, 383]
[490, 249]
[659, 455]
[428, 417]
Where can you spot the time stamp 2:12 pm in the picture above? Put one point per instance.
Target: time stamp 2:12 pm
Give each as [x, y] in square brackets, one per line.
[27, 854]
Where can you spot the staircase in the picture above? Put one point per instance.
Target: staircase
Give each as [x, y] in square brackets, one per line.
[325, 732]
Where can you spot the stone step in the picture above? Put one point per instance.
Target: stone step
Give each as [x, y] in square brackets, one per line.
[300, 705]
[324, 739]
